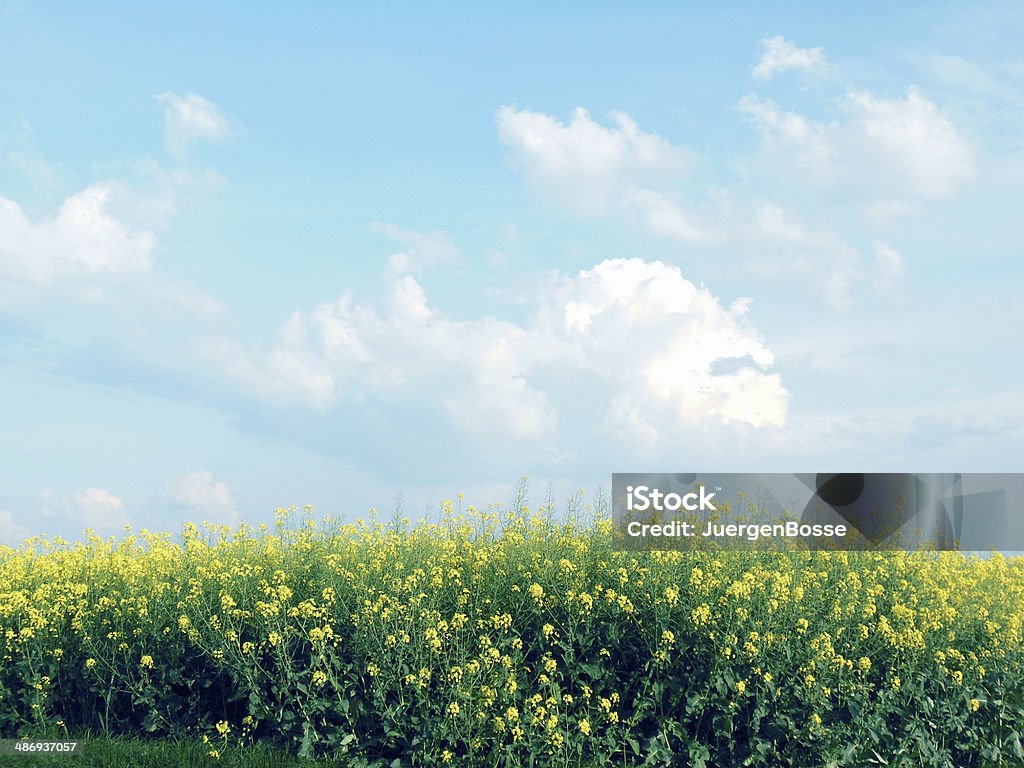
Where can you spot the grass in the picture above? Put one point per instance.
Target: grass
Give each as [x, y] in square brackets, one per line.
[105, 752]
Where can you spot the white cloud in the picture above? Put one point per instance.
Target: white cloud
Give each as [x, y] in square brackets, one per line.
[199, 493]
[915, 139]
[776, 223]
[586, 156]
[35, 168]
[654, 338]
[660, 215]
[802, 145]
[844, 271]
[344, 350]
[422, 249]
[642, 338]
[24, 156]
[184, 295]
[820, 254]
[889, 265]
[190, 119]
[12, 533]
[83, 238]
[888, 149]
[99, 509]
[87, 253]
[779, 55]
[960, 73]
[597, 170]
[879, 159]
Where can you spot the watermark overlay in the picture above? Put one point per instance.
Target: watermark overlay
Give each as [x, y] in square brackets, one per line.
[829, 511]
[28, 747]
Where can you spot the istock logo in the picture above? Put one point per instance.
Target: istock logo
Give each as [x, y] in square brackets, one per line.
[641, 498]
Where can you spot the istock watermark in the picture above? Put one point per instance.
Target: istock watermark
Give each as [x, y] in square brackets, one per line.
[845, 511]
[642, 498]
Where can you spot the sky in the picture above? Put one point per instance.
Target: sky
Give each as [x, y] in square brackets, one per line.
[362, 256]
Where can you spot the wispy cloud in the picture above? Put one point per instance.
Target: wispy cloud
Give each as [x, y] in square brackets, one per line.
[887, 149]
[12, 532]
[191, 119]
[91, 508]
[780, 55]
[198, 493]
[889, 266]
[422, 249]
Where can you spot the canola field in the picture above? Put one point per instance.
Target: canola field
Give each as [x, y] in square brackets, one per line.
[511, 637]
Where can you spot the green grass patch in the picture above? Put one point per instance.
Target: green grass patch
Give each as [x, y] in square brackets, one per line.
[162, 753]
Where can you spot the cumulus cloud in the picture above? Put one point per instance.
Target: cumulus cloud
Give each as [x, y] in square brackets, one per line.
[655, 340]
[200, 494]
[779, 55]
[599, 170]
[99, 503]
[888, 149]
[406, 350]
[916, 139]
[584, 151]
[87, 251]
[190, 119]
[641, 336]
[92, 508]
[95, 508]
[83, 238]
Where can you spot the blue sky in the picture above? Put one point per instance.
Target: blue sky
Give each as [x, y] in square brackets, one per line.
[255, 257]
